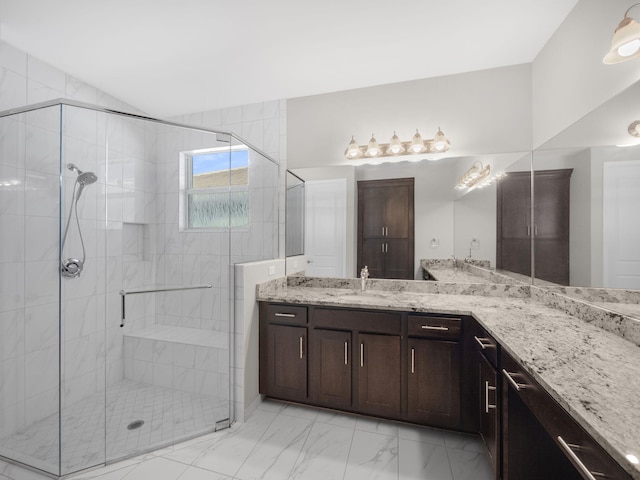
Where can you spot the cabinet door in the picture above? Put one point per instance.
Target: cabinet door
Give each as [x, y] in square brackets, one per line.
[489, 395]
[434, 382]
[398, 212]
[398, 259]
[373, 256]
[379, 374]
[286, 375]
[372, 203]
[330, 384]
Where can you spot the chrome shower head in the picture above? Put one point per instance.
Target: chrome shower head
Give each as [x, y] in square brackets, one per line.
[87, 178]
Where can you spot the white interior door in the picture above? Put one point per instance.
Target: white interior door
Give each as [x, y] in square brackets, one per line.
[325, 230]
[621, 222]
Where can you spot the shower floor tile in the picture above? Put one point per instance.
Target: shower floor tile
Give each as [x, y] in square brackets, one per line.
[87, 438]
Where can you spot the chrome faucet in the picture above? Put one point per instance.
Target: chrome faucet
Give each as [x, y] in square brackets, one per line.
[364, 274]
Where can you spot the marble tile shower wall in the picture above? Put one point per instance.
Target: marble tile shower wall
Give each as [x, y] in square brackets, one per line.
[29, 239]
[264, 125]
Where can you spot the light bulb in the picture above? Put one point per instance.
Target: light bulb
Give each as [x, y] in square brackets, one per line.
[395, 146]
[417, 144]
[373, 150]
[353, 150]
[629, 48]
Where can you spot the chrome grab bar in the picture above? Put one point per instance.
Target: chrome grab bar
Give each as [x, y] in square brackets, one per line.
[124, 293]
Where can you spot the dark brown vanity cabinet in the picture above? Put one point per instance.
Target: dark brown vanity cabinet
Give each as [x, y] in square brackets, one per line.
[540, 439]
[331, 366]
[488, 391]
[434, 365]
[386, 227]
[283, 351]
[378, 374]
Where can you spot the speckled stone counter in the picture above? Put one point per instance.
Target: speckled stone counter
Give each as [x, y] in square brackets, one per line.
[592, 373]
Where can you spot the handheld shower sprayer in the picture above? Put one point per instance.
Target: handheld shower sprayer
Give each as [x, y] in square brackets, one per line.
[72, 267]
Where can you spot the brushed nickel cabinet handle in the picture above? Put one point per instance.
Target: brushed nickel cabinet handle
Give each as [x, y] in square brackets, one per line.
[386, 248]
[382, 247]
[288, 315]
[362, 354]
[481, 342]
[568, 449]
[487, 405]
[516, 385]
[346, 357]
[435, 327]
[413, 360]
[301, 348]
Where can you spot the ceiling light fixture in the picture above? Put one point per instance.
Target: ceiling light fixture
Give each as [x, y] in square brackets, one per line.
[396, 148]
[634, 129]
[625, 43]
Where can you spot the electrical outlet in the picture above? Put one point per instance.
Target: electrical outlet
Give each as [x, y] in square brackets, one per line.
[272, 269]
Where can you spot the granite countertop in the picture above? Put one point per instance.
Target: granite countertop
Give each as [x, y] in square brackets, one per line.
[592, 373]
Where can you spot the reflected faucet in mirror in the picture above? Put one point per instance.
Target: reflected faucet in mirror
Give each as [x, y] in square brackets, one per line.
[364, 274]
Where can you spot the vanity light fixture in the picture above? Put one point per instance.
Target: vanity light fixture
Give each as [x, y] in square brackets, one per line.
[396, 147]
[478, 176]
[625, 43]
[634, 129]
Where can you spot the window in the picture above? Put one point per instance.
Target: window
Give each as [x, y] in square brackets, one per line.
[215, 186]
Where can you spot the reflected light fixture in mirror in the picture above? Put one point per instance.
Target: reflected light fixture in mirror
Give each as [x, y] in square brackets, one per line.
[397, 148]
[474, 176]
[634, 129]
[625, 43]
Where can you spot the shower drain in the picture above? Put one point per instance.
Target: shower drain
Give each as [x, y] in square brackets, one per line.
[135, 424]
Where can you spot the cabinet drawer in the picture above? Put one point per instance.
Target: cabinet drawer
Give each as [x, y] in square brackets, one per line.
[434, 327]
[281, 313]
[577, 445]
[486, 345]
[358, 320]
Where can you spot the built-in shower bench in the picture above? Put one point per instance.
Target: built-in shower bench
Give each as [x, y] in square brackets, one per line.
[187, 359]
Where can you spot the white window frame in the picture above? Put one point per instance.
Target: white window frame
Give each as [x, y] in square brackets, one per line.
[186, 188]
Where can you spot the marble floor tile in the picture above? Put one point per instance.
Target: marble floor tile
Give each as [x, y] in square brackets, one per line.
[423, 461]
[469, 465]
[421, 434]
[227, 453]
[324, 454]
[372, 456]
[282, 441]
[276, 453]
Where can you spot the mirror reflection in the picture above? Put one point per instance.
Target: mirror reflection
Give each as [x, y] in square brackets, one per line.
[604, 226]
[294, 215]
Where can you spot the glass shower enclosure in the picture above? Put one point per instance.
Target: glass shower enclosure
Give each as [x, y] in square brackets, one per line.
[118, 235]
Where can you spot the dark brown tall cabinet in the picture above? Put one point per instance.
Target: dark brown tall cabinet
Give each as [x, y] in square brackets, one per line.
[549, 229]
[386, 228]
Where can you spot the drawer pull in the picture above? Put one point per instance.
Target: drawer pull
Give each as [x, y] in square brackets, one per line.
[288, 315]
[301, 348]
[362, 354]
[568, 449]
[413, 360]
[487, 405]
[516, 385]
[435, 327]
[346, 353]
[481, 342]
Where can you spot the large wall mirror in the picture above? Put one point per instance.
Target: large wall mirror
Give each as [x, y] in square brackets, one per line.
[602, 153]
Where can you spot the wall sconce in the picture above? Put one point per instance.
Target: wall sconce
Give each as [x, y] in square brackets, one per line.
[396, 147]
[634, 129]
[625, 43]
